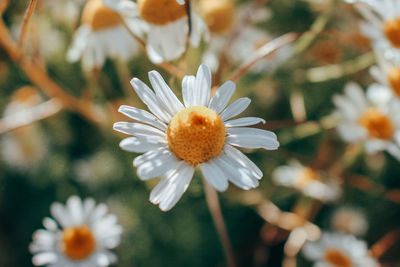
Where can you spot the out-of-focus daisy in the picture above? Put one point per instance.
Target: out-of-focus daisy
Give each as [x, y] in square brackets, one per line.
[368, 121]
[103, 35]
[339, 250]
[86, 236]
[63, 11]
[382, 24]
[310, 182]
[221, 17]
[349, 220]
[24, 146]
[201, 132]
[168, 25]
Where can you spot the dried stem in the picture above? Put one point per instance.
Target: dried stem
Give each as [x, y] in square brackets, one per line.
[215, 210]
[38, 75]
[25, 24]
[264, 51]
[385, 243]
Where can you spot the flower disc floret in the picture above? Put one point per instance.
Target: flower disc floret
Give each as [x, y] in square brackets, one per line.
[305, 176]
[337, 258]
[161, 11]
[378, 125]
[394, 80]
[219, 15]
[78, 243]
[391, 29]
[98, 16]
[196, 134]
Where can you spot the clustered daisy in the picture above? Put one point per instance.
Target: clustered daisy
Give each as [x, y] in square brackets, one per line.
[81, 235]
[201, 132]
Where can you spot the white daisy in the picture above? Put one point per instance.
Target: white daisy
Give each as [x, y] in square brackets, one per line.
[103, 35]
[24, 146]
[310, 182]
[369, 121]
[87, 234]
[167, 26]
[201, 132]
[382, 25]
[349, 220]
[339, 250]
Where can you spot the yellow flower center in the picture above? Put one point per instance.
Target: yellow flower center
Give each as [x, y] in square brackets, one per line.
[78, 242]
[218, 14]
[160, 11]
[196, 134]
[394, 80]
[305, 176]
[98, 16]
[337, 258]
[391, 29]
[378, 125]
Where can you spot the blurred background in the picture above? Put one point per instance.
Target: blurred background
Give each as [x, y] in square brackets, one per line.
[65, 154]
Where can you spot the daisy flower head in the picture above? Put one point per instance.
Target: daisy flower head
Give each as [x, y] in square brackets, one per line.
[103, 35]
[310, 182]
[349, 220]
[167, 25]
[370, 120]
[382, 25]
[339, 250]
[200, 132]
[81, 235]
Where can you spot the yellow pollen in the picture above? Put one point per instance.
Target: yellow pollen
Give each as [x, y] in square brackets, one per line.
[196, 134]
[378, 125]
[218, 14]
[305, 176]
[337, 258]
[98, 16]
[160, 11]
[78, 243]
[394, 80]
[391, 29]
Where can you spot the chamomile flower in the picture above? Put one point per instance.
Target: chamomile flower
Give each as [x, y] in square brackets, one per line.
[103, 35]
[310, 182]
[349, 220]
[382, 25]
[339, 250]
[176, 137]
[167, 23]
[369, 121]
[81, 235]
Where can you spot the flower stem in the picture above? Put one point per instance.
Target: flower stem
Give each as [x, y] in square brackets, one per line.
[215, 210]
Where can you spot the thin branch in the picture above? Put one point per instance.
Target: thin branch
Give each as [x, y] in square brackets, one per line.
[215, 210]
[385, 243]
[25, 23]
[264, 51]
[39, 76]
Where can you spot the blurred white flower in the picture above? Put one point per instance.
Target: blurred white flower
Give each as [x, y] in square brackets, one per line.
[167, 26]
[339, 250]
[349, 220]
[177, 137]
[63, 11]
[382, 25]
[371, 121]
[103, 35]
[24, 146]
[86, 236]
[310, 182]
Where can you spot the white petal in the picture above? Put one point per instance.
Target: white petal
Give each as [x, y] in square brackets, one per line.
[172, 186]
[235, 108]
[44, 258]
[203, 86]
[75, 209]
[246, 121]
[59, 212]
[137, 129]
[151, 100]
[222, 96]
[98, 213]
[188, 88]
[150, 155]
[252, 138]
[165, 93]
[142, 116]
[243, 160]
[352, 132]
[140, 145]
[157, 166]
[215, 176]
[125, 7]
[50, 224]
[356, 94]
[181, 2]
[88, 207]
